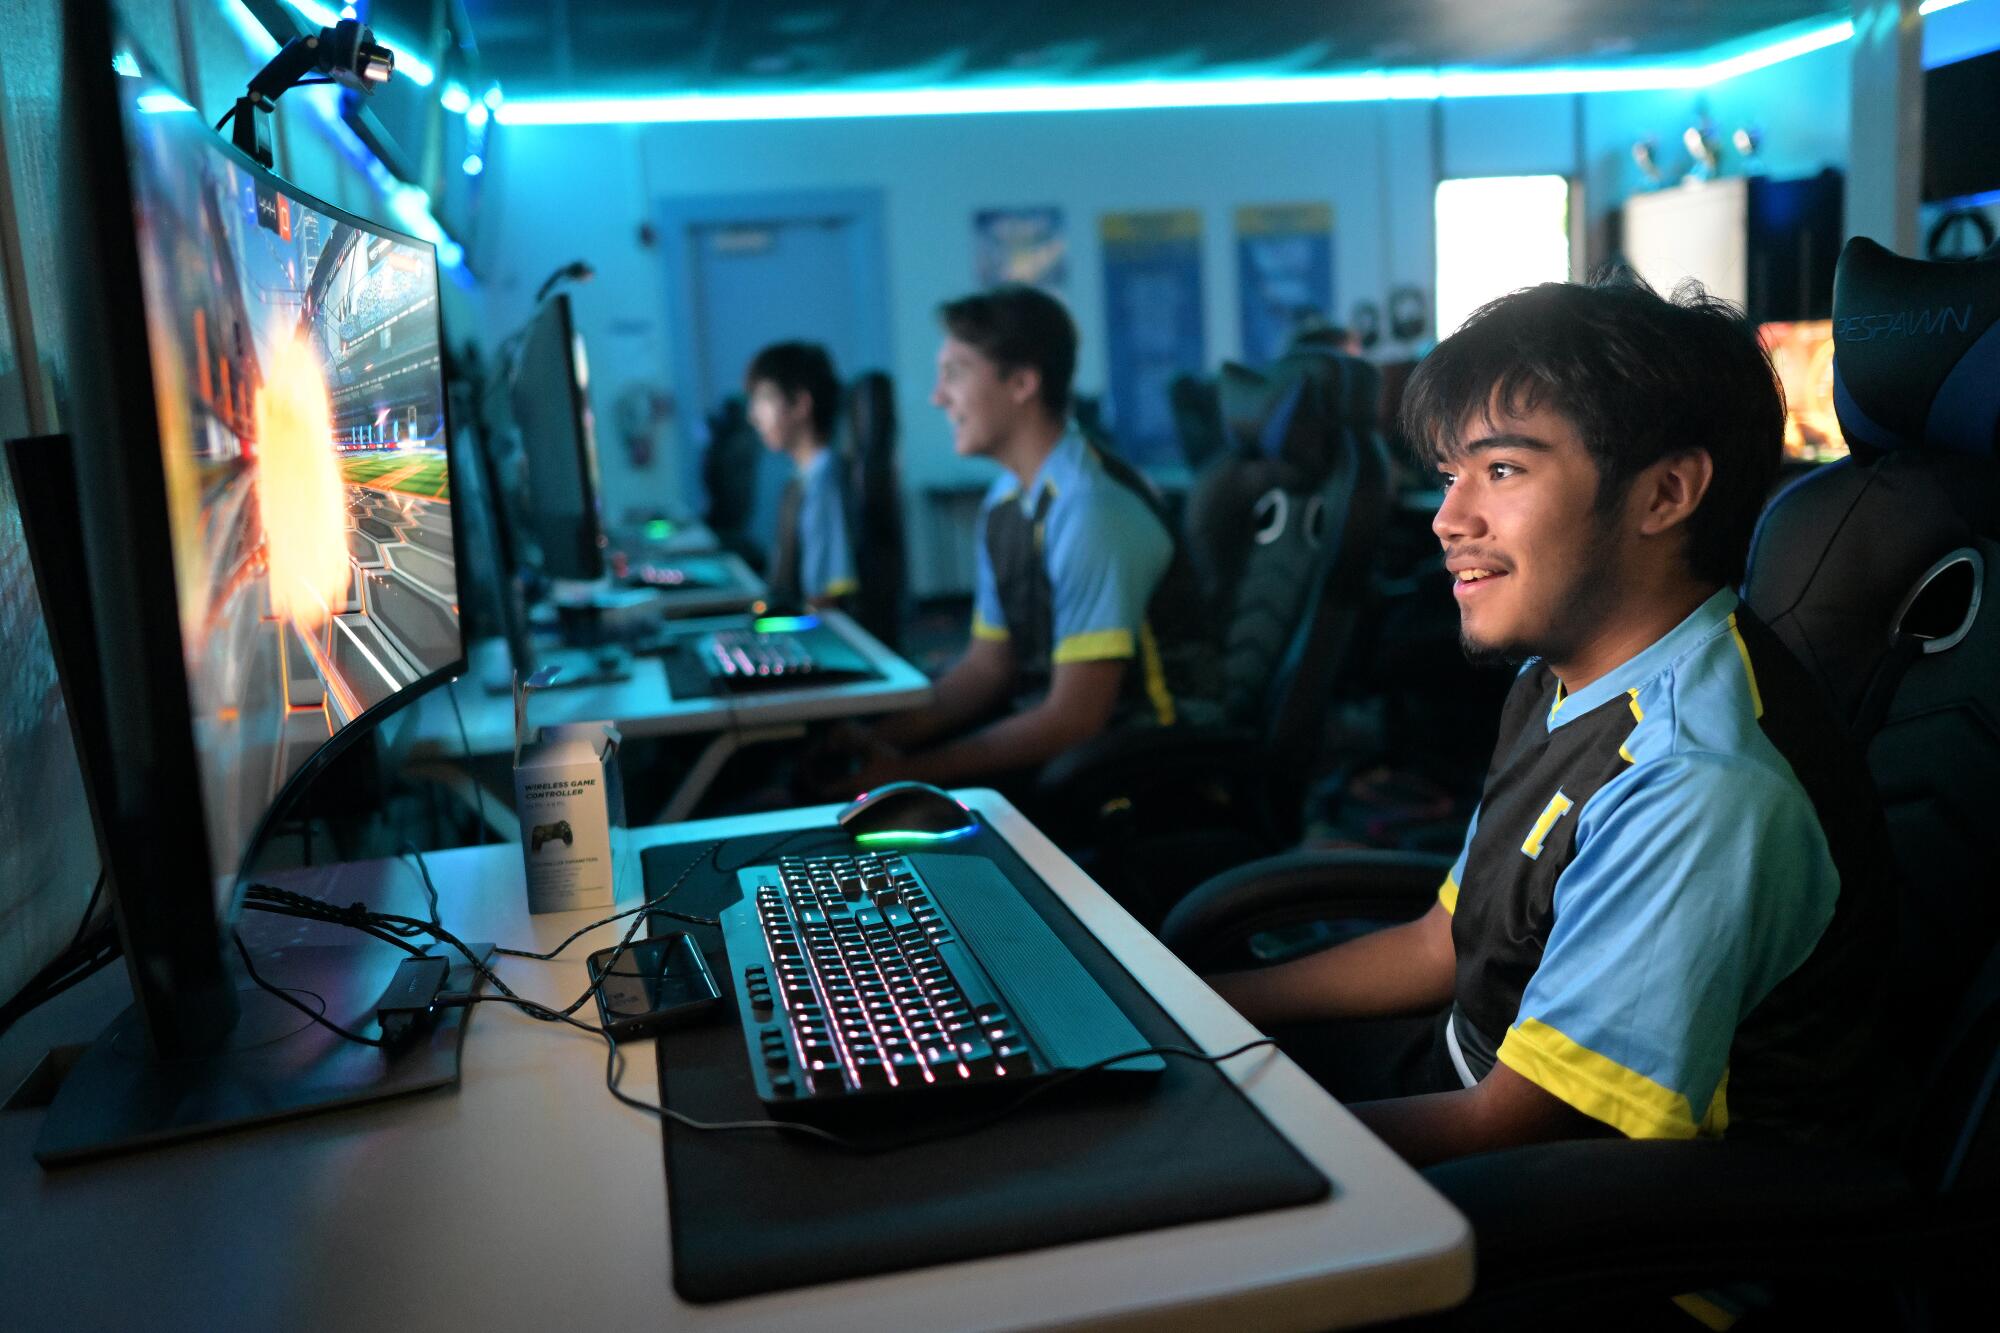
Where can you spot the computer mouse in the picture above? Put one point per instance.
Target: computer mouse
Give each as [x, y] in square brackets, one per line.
[907, 811]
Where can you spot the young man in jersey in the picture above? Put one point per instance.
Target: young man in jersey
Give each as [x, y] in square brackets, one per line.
[1671, 905]
[793, 397]
[1084, 613]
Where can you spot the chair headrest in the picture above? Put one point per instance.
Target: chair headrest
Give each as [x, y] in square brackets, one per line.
[1350, 388]
[1916, 360]
[871, 412]
[1292, 414]
[1242, 396]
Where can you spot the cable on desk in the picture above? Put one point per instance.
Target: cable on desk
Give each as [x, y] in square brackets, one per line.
[319, 1018]
[87, 954]
[612, 1062]
[411, 850]
[399, 930]
[89, 910]
[768, 850]
[650, 905]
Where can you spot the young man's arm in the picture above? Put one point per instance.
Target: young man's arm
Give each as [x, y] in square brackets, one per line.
[1407, 969]
[1404, 969]
[976, 684]
[1080, 701]
[1503, 1110]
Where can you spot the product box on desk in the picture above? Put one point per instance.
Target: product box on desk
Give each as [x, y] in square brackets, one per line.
[571, 803]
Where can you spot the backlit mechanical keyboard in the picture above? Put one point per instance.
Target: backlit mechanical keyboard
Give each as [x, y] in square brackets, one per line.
[745, 656]
[865, 976]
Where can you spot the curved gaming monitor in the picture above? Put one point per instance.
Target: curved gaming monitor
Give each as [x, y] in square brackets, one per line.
[265, 506]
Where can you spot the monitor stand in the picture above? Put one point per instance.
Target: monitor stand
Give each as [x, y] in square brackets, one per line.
[276, 1064]
[576, 666]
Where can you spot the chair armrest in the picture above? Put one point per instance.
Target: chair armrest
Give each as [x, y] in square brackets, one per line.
[1136, 755]
[1302, 886]
[1149, 772]
[1573, 1222]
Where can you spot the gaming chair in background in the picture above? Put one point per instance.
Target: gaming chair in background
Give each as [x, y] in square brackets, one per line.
[1873, 572]
[1281, 533]
[1197, 415]
[729, 477]
[875, 507]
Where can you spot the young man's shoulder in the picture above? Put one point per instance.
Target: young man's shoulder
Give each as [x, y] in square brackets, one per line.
[1090, 497]
[999, 491]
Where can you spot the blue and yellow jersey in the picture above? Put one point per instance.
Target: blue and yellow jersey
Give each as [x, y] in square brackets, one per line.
[1671, 909]
[1080, 567]
[826, 552]
[813, 557]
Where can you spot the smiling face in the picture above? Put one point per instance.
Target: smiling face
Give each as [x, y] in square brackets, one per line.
[1536, 567]
[985, 406]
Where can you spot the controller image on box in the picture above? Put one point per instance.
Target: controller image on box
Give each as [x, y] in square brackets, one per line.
[549, 833]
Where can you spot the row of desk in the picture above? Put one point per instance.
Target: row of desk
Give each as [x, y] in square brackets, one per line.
[527, 1198]
[445, 735]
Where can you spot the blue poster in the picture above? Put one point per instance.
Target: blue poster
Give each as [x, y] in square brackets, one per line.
[1284, 263]
[1153, 319]
[1020, 245]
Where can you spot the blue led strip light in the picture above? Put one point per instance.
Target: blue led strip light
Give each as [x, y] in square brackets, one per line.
[1700, 70]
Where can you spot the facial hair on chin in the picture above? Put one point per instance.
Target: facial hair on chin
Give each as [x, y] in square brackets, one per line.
[1572, 616]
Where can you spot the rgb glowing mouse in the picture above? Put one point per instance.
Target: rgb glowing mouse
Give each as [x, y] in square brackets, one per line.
[907, 812]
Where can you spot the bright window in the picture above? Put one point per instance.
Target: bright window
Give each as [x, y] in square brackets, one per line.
[1496, 234]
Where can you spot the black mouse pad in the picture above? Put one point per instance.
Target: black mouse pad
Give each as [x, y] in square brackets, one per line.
[760, 1211]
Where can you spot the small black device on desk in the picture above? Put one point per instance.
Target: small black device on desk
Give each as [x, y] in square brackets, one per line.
[886, 975]
[650, 984]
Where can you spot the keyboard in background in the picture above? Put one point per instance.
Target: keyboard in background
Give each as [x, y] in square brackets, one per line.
[889, 975]
[744, 659]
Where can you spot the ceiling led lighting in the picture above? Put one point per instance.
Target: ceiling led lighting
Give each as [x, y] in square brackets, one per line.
[1285, 90]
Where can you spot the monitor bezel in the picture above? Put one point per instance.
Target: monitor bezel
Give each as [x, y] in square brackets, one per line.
[174, 948]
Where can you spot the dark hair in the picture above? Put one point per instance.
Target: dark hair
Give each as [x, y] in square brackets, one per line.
[796, 368]
[1640, 376]
[1016, 326]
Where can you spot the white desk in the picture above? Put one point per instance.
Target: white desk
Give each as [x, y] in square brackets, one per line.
[528, 1199]
[426, 735]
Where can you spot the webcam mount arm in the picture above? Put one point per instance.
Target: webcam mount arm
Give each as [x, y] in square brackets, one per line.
[346, 54]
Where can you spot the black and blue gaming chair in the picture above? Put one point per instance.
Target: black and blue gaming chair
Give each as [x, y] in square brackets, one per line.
[874, 495]
[1282, 535]
[1873, 572]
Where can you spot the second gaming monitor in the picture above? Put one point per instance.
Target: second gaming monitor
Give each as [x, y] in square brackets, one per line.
[1801, 351]
[550, 397]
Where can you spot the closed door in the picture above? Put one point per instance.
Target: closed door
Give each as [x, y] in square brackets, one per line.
[769, 269]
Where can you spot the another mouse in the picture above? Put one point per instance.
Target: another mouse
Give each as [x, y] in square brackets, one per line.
[912, 811]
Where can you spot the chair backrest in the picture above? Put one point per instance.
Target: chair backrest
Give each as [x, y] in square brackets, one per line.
[1282, 532]
[729, 470]
[875, 507]
[1197, 419]
[1874, 571]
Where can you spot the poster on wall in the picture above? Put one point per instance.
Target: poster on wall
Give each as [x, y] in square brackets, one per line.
[1024, 245]
[1284, 265]
[1153, 323]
